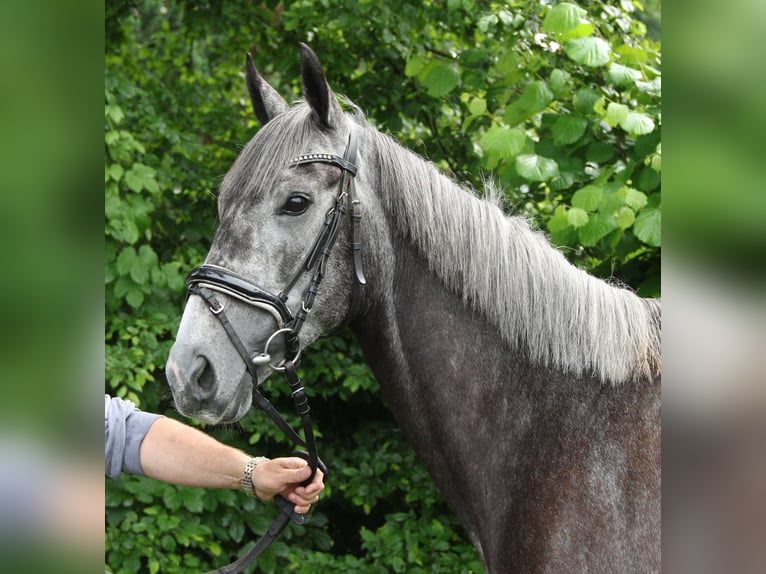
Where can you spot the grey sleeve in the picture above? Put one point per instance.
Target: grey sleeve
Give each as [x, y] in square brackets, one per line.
[125, 426]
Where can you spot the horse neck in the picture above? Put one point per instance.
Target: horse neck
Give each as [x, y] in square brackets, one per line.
[421, 341]
[459, 393]
[478, 412]
[417, 328]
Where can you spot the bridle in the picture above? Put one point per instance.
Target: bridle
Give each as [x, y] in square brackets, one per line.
[207, 281]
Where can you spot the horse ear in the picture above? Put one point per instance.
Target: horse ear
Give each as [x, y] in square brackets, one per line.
[266, 101]
[316, 90]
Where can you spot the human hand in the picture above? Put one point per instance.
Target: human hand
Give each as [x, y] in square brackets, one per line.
[284, 476]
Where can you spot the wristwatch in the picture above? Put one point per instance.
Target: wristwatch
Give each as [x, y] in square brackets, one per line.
[247, 474]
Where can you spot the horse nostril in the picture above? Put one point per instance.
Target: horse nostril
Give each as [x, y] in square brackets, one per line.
[202, 377]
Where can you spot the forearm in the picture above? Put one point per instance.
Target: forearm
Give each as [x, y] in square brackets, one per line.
[180, 454]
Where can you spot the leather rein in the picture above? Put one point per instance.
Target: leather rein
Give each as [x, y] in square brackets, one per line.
[207, 281]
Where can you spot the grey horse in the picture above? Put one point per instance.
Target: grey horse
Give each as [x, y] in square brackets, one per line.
[530, 389]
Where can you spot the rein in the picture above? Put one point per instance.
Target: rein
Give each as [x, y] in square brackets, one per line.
[207, 280]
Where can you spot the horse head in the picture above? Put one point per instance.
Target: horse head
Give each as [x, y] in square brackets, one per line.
[288, 221]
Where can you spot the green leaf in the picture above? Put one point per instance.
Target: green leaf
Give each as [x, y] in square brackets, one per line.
[535, 98]
[130, 232]
[559, 82]
[503, 142]
[507, 63]
[655, 162]
[634, 198]
[147, 256]
[624, 217]
[637, 124]
[612, 202]
[584, 100]
[193, 499]
[564, 180]
[214, 547]
[139, 273]
[126, 260]
[537, 95]
[563, 18]
[112, 202]
[598, 226]
[414, 65]
[616, 113]
[135, 297]
[141, 176]
[477, 106]
[440, 78]
[588, 197]
[648, 227]
[116, 171]
[583, 30]
[577, 217]
[115, 113]
[559, 220]
[599, 152]
[536, 168]
[121, 287]
[142, 264]
[568, 129]
[622, 75]
[632, 54]
[648, 179]
[590, 52]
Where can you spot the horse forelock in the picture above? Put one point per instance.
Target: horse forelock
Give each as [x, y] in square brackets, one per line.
[562, 316]
[261, 161]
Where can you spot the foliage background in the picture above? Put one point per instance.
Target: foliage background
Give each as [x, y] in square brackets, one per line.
[560, 103]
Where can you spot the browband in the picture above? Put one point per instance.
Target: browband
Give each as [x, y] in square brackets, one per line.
[345, 164]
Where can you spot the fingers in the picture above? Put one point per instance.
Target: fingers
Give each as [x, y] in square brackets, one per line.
[291, 472]
[292, 462]
[316, 484]
[304, 496]
[296, 469]
[302, 505]
[311, 489]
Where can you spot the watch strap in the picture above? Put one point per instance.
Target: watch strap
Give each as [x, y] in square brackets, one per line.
[247, 474]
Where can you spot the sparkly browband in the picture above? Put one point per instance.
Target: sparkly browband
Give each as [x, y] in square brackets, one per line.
[325, 158]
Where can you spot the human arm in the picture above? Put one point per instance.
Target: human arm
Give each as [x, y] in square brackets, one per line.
[174, 452]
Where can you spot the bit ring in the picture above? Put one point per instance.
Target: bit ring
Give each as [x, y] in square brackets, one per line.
[280, 367]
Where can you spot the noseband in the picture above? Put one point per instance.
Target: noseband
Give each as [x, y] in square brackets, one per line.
[208, 280]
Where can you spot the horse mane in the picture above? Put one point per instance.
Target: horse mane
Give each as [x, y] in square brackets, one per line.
[562, 316]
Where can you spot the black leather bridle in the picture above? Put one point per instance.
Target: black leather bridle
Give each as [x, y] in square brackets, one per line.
[207, 281]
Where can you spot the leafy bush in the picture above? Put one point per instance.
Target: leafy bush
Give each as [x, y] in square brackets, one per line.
[559, 103]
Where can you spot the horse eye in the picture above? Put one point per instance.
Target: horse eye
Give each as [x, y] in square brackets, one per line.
[296, 204]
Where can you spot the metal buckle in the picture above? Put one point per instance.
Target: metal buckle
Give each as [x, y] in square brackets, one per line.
[219, 310]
